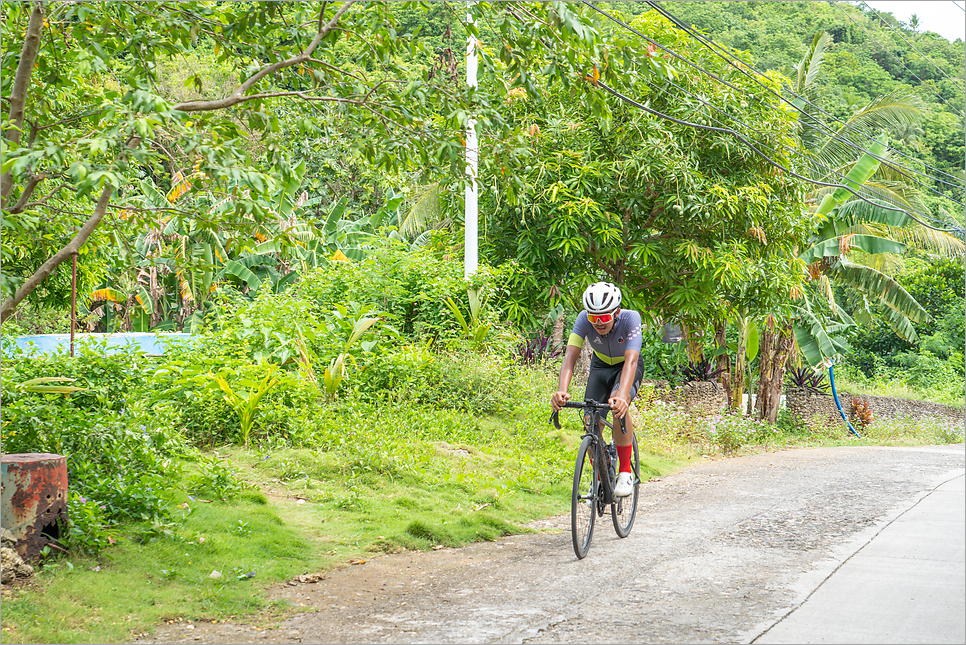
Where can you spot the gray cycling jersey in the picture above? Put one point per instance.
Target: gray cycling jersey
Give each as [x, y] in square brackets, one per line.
[610, 348]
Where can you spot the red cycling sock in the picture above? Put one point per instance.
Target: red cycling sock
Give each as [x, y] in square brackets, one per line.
[624, 453]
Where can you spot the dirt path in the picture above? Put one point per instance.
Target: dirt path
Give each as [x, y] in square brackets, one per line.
[719, 552]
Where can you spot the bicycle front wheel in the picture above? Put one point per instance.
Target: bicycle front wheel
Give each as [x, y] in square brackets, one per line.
[624, 509]
[583, 505]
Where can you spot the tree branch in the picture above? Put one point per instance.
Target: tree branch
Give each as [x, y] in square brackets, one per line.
[238, 95]
[27, 192]
[48, 267]
[72, 247]
[21, 83]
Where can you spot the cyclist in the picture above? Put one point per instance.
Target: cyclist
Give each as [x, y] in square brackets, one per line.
[615, 369]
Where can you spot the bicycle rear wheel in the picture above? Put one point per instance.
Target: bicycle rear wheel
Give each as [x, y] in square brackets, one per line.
[583, 505]
[624, 509]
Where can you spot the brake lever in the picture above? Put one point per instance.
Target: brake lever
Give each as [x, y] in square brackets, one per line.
[555, 419]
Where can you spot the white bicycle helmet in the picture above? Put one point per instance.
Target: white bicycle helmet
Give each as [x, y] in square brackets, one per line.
[601, 297]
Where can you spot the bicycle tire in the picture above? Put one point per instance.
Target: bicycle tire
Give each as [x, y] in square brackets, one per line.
[583, 503]
[624, 509]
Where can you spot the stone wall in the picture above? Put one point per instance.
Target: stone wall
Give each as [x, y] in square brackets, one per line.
[699, 398]
[806, 406]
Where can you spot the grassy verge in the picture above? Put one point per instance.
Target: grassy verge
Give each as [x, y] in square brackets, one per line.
[366, 480]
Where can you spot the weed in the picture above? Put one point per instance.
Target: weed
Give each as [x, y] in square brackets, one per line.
[216, 476]
[241, 528]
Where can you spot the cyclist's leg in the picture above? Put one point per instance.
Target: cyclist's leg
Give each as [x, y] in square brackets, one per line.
[600, 381]
[622, 440]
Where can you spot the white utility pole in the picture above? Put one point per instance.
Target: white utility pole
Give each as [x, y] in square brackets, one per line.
[471, 198]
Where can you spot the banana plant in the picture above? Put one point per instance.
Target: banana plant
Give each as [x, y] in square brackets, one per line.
[474, 330]
[353, 323]
[245, 404]
[827, 260]
[745, 350]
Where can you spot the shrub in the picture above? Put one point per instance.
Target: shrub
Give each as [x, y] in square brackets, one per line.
[120, 460]
[537, 350]
[861, 415]
[806, 378]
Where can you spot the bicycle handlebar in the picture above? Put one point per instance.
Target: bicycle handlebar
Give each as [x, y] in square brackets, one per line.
[589, 403]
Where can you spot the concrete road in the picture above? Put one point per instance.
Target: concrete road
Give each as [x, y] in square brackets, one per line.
[905, 582]
[843, 545]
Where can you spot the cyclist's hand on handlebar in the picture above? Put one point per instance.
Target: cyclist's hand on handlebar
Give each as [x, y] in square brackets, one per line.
[558, 399]
[618, 406]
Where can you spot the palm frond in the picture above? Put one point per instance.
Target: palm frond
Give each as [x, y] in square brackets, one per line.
[921, 238]
[424, 211]
[808, 69]
[893, 112]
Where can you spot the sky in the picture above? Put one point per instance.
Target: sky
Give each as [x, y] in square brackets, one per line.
[944, 17]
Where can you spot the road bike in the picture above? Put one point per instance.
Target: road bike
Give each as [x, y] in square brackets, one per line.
[595, 474]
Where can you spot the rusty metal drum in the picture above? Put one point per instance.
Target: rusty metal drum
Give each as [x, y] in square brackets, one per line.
[34, 498]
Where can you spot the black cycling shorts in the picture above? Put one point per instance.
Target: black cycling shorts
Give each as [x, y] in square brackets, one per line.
[604, 380]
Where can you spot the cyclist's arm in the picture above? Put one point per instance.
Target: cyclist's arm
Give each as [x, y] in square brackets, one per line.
[621, 402]
[566, 374]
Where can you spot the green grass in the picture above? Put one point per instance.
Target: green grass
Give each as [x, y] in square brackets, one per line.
[135, 586]
[363, 480]
[948, 392]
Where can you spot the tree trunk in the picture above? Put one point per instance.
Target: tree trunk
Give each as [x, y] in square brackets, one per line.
[724, 360]
[775, 347]
[583, 363]
[21, 85]
[558, 330]
[85, 231]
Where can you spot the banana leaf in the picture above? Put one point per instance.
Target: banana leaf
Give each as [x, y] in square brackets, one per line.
[880, 287]
[285, 282]
[332, 221]
[860, 173]
[868, 243]
[239, 271]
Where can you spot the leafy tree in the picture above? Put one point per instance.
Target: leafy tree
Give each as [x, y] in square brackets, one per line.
[87, 116]
[691, 223]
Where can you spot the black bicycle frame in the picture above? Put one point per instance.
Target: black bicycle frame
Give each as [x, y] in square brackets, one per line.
[592, 421]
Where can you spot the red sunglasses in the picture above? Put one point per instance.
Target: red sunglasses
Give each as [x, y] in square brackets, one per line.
[601, 319]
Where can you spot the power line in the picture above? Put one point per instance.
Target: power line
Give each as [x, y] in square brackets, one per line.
[768, 159]
[957, 4]
[899, 33]
[710, 44]
[834, 136]
[882, 47]
[794, 150]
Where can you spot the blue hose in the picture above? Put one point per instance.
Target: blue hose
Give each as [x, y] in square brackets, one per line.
[831, 380]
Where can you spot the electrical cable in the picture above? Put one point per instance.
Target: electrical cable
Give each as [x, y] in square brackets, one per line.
[709, 42]
[899, 33]
[957, 6]
[767, 158]
[882, 47]
[675, 21]
[832, 135]
[787, 147]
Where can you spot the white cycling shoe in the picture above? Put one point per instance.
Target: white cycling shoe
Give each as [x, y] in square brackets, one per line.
[624, 485]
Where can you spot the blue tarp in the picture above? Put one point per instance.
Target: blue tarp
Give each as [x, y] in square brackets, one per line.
[150, 343]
